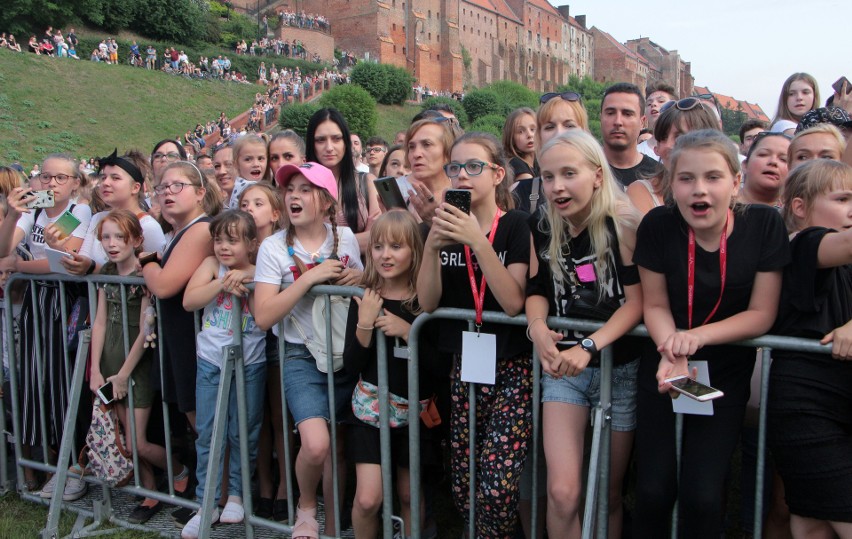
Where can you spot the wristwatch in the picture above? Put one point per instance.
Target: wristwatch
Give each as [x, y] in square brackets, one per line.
[589, 346]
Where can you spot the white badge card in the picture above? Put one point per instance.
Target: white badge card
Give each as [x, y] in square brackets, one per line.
[479, 357]
[686, 405]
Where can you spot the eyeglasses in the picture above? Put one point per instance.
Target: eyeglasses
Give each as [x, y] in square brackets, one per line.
[567, 96]
[473, 168]
[171, 156]
[375, 149]
[687, 103]
[173, 188]
[60, 178]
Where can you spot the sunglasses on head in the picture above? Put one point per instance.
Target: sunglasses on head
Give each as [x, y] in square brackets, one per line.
[567, 96]
[687, 103]
[755, 142]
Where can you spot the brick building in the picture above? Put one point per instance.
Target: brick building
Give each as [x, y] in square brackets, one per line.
[616, 63]
[579, 44]
[752, 110]
[490, 32]
[673, 69]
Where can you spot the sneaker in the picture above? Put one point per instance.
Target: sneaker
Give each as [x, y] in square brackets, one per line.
[233, 513]
[75, 488]
[181, 516]
[191, 530]
[142, 513]
[48, 488]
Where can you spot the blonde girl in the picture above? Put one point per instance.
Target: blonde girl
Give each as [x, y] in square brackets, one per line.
[519, 143]
[396, 249]
[799, 94]
[728, 293]
[499, 240]
[823, 141]
[302, 254]
[583, 245]
[59, 173]
[121, 236]
[249, 154]
[809, 402]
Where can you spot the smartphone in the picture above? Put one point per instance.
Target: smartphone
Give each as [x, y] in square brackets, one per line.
[838, 85]
[67, 223]
[44, 199]
[150, 257]
[460, 198]
[693, 388]
[105, 393]
[389, 192]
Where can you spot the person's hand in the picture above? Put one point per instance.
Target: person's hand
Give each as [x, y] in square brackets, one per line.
[437, 239]
[77, 264]
[544, 340]
[328, 270]
[458, 225]
[393, 326]
[348, 277]
[119, 386]
[680, 344]
[96, 380]
[17, 201]
[423, 200]
[667, 370]
[570, 362]
[55, 238]
[844, 98]
[369, 307]
[234, 282]
[841, 342]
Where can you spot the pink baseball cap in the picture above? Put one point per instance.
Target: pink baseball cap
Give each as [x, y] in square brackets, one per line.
[314, 172]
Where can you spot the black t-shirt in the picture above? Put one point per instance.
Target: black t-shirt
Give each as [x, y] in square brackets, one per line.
[758, 243]
[519, 166]
[577, 253]
[814, 300]
[647, 168]
[512, 245]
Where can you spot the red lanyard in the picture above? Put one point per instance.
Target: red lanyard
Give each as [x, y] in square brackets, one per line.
[479, 296]
[723, 269]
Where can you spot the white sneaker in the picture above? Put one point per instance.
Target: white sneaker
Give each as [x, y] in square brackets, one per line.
[233, 513]
[191, 530]
[48, 488]
[75, 488]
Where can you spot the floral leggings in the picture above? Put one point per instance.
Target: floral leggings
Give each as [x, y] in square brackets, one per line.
[503, 428]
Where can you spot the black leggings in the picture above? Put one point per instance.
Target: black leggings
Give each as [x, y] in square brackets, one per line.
[708, 444]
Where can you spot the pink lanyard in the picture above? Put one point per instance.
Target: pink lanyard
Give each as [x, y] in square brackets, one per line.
[723, 268]
[479, 296]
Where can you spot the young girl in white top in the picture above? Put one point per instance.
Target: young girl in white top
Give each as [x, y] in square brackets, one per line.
[308, 252]
[214, 287]
[250, 161]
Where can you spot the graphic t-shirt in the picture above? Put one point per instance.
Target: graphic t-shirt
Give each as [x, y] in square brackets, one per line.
[34, 228]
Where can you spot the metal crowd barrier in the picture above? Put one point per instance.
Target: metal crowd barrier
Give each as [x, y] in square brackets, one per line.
[595, 519]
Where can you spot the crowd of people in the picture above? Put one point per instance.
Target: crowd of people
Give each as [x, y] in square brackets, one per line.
[705, 241]
[303, 20]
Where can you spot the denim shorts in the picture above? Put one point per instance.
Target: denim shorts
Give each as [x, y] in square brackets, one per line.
[306, 388]
[585, 390]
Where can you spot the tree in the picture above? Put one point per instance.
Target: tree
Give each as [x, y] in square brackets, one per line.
[371, 77]
[296, 117]
[479, 103]
[356, 105]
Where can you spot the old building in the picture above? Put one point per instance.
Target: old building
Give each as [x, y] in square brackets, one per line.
[751, 110]
[489, 32]
[672, 68]
[616, 63]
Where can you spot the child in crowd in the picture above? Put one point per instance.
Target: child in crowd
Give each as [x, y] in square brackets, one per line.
[519, 143]
[264, 204]
[213, 287]
[250, 163]
[809, 400]
[308, 252]
[120, 235]
[765, 169]
[390, 305]
[823, 141]
[799, 94]
[711, 275]
[285, 148]
[583, 253]
[499, 239]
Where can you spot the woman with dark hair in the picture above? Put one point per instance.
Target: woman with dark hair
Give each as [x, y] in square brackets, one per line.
[165, 152]
[328, 143]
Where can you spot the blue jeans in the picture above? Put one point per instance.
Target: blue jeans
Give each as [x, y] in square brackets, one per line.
[207, 387]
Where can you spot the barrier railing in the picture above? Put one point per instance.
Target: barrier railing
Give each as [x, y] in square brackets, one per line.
[595, 511]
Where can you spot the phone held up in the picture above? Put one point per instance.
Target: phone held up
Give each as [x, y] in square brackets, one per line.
[389, 192]
[838, 85]
[693, 388]
[460, 198]
[44, 199]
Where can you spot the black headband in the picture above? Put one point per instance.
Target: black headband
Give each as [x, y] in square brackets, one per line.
[122, 163]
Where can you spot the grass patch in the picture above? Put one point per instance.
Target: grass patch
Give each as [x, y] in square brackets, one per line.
[392, 119]
[84, 108]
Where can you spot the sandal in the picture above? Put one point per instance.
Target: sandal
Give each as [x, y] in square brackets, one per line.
[306, 524]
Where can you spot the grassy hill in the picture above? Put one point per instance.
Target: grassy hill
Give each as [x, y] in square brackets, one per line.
[86, 108]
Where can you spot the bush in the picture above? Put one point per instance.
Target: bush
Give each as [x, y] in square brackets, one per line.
[512, 95]
[356, 105]
[371, 77]
[399, 82]
[454, 104]
[490, 123]
[296, 117]
[479, 103]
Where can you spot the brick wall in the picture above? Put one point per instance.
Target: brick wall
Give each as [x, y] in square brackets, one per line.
[313, 40]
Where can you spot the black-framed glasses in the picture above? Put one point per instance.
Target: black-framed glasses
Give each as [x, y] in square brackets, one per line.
[687, 103]
[61, 179]
[173, 188]
[473, 168]
[375, 149]
[171, 156]
[567, 96]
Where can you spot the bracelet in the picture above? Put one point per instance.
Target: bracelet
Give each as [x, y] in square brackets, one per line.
[359, 326]
[92, 267]
[530, 325]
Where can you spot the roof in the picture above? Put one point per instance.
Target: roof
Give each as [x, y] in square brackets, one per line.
[752, 110]
[545, 5]
[499, 7]
[624, 50]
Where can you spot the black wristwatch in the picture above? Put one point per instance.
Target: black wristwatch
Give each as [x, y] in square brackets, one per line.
[589, 346]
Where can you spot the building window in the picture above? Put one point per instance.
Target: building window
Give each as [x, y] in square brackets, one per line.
[430, 13]
[394, 27]
[439, 57]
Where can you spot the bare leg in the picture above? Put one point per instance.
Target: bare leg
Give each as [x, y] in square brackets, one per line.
[368, 499]
[564, 427]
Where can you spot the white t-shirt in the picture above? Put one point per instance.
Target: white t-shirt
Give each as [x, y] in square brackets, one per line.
[240, 185]
[34, 230]
[154, 240]
[646, 149]
[276, 266]
[782, 125]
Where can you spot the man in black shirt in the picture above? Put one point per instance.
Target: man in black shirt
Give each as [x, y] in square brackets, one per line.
[621, 122]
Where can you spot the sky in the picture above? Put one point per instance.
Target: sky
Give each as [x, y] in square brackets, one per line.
[744, 49]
